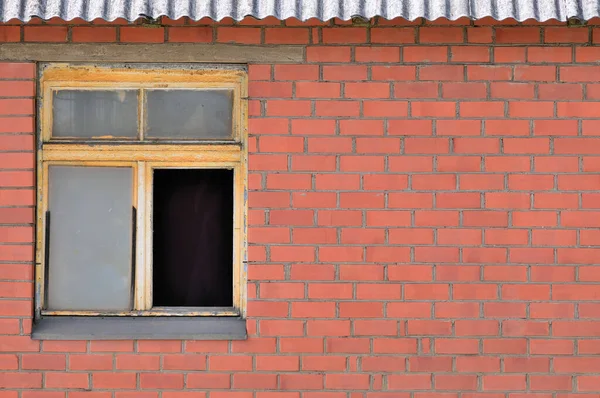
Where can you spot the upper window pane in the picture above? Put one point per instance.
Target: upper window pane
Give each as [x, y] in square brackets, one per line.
[189, 114]
[95, 114]
[90, 247]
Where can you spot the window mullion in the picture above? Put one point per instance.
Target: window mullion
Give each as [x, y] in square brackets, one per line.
[142, 113]
[140, 263]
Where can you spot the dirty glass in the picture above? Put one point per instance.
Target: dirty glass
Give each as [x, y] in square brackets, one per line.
[189, 114]
[95, 114]
[90, 247]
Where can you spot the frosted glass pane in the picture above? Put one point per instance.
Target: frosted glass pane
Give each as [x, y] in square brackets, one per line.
[90, 238]
[189, 114]
[95, 113]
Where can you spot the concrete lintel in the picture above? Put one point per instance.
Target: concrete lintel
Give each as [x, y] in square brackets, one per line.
[215, 53]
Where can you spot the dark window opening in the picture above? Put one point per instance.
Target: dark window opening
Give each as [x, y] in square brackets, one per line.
[193, 238]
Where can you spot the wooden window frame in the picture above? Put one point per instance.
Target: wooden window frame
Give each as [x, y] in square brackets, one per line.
[143, 158]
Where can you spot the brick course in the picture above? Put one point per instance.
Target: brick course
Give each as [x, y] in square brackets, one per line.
[423, 219]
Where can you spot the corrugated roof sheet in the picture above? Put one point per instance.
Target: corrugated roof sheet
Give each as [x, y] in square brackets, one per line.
[109, 10]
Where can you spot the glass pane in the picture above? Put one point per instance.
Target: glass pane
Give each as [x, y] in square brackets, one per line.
[95, 113]
[189, 114]
[90, 238]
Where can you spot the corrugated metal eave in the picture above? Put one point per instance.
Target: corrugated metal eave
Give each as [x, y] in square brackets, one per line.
[109, 10]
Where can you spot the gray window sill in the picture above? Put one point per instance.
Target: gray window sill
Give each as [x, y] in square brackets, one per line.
[139, 328]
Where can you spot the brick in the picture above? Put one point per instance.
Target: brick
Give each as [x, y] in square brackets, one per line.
[301, 345]
[114, 380]
[477, 364]
[286, 36]
[382, 364]
[459, 163]
[458, 127]
[425, 54]
[16, 125]
[142, 35]
[504, 346]
[347, 72]
[344, 35]
[426, 145]
[192, 34]
[90, 362]
[270, 89]
[43, 362]
[377, 54]
[533, 145]
[517, 35]
[488, 73]
[464, 90]
[184, 362]
[296, 72]
[268, 126]
[479, 181]
[313, 163]
[479, 34]
[392, 35]
[507, 127]
[288, 108]
[364, 90]
[409, 381]
[361, 272]
[512, 90]
[66, 380]
[458, 236]
[377, 145]
[301, 381]
[441, 73]
[277, 363]
[412, 200]
[161, 381]
[327, 54]
[535, 73]
[504, 382]
[565, 35]
[456, 382]
[395, 346]
[476, 145]
[393, 72]
[531, 109]
[238, 35]
[560, 91]
[16, 107]
[10, 34]
[554, 346]
[370, 127]
[319, 126]
[456, 346]
[20, 380]
[45, 33]
[482, 109]
[470, 54]
[430, 364]
[441, 35]
[137, 362]
[84, 34]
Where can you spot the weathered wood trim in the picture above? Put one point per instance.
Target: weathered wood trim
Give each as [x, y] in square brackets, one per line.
[163, 53]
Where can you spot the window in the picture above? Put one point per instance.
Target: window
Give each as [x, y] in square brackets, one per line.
[141, 187]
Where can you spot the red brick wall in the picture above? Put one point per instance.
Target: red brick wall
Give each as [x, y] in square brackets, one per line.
[423, 221]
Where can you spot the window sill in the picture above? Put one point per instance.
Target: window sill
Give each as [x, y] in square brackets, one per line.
[139, 328]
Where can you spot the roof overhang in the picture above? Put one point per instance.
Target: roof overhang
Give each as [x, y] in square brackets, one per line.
[109, 10]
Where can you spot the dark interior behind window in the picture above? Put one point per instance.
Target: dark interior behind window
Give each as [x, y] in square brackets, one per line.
[193, 238]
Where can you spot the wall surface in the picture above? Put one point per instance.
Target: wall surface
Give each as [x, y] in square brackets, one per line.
[424, 213]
